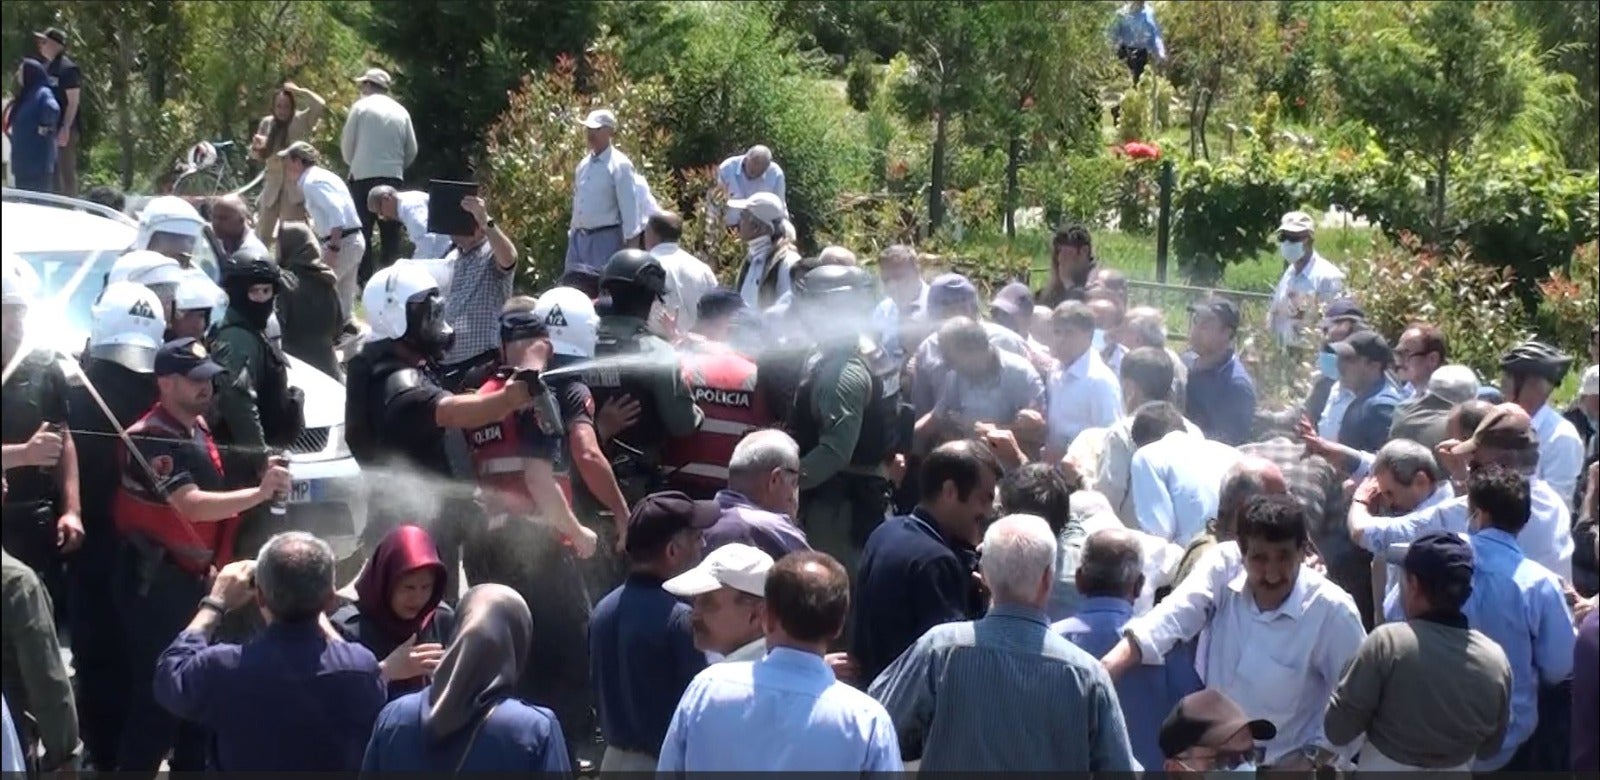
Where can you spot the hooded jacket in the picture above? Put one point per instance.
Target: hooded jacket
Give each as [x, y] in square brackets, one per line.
[309, 313]
[34, 121]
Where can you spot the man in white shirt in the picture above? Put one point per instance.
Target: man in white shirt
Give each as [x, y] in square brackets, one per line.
[1276, 636]
[1083, 392]
[333, 216]
[378, 144]
[743, 175]
[605, 197]
[410, 209]
[1529, 373]
[726, 591]
[1307, 285]
[688, 278]
[905, 300]
[1146, 376]
[1174, 477]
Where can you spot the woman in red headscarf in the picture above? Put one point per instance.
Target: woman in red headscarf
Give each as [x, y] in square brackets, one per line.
[399, 612]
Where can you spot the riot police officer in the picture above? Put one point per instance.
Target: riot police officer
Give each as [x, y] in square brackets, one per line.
[170, 226]
[197, 306]
[846, 414]
[117, 367]
[257, 412]
[156, 271]
[396, 414]
[41, 514]
[631, 361]
[532, 539]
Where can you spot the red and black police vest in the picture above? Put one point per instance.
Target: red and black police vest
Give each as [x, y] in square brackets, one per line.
[497, 460]
[724, 386]
[137, 509]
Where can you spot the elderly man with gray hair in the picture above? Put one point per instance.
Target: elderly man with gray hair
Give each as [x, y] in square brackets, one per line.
[410, 208]
[762, 497]
[1110, 577]
[743, 175]
[1409, 479]
[319, 694]
[1146, 326]
[973, 682]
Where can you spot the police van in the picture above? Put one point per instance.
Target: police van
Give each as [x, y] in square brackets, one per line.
[56, 236]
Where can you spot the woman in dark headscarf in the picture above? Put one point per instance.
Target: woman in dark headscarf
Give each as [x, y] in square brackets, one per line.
[399, 612]
[469, 719]
[33, 123]
[309, 313]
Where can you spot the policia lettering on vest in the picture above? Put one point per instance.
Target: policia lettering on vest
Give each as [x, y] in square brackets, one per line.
[847, 416]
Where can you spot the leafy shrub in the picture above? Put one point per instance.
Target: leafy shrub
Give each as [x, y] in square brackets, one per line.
[1524, 210]
[1074, 188]
[861, 81]
[1473, 303]
[1569, 303]
[1223, 213]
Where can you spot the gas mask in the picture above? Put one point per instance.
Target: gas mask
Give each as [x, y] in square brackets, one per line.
[426, 330]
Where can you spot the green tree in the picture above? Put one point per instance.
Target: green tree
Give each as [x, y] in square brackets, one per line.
[455, 60]
[1438, 79]
[1570, 31]
[1216, 47]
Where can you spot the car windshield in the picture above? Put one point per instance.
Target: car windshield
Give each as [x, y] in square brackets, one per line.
[56, 269]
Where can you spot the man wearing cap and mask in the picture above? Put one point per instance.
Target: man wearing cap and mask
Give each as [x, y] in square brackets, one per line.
[1309, 281]
[41, 513]
[1430, 693]
[1208, 734]
[337, 221]
[641, 639]
[764, 227]
[1342, 318]
[178, 524]
[127, 327]
[605, 199]
[726, 590]
[378, 144]
[1361, 407]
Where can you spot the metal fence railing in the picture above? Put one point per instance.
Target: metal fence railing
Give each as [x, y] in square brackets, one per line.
[1174, 300]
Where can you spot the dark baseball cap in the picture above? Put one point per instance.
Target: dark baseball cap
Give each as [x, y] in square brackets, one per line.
[1368, 344]
[1444, 558]
[53, 33]
[660, 516]
[186, 357]
[1221, 308]
[1342, 309]
[1505, 427]
[951, 290]
[1208, 719]
[1014, 299]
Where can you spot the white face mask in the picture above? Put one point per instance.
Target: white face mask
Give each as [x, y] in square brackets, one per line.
[1292, 250]
[904, 291]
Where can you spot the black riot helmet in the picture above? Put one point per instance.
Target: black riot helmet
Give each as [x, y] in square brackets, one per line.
[244, 269]
[834, 282]
[426, 329]
[634, 280]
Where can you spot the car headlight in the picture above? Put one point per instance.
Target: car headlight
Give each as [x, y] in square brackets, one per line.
[337, 443]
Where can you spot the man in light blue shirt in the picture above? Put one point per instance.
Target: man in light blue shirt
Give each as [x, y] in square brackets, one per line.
[905, 300]
[1109, 576]
[785, 712]
[743, 175]
[1136, 36]
[1175, 477]
[1518, 604]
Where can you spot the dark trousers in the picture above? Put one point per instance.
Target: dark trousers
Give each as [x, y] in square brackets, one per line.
[155, 602]
[40, 182]
[523, 554]
[1135, 59]
[388, 230]
[66, 175]
[98, 664]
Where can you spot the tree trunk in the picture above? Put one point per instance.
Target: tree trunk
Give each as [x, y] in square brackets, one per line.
[1194, 121]
[936, 176]
[1441, 175]
[1205, 115]
[121, 93]
[1013, 163]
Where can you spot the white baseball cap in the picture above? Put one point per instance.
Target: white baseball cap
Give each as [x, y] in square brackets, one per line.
[738, 566]
[1297, 222]
[766, 206]
[601, 117]
[1590, 384]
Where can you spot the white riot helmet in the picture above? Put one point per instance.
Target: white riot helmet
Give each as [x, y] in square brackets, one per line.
[571, 319]
[197, 291]
[169, 214]
[128, 326]
[141, 266]
[403, 304]
[21, 282]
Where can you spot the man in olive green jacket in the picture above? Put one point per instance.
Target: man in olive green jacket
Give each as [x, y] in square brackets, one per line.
[31, 670]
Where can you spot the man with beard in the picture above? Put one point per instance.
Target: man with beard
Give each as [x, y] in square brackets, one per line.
[178, 523]
[985, 385]
[256, 407]
[123, 341]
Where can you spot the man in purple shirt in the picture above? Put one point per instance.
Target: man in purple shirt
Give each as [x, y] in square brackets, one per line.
[762, 496]
[295, 698]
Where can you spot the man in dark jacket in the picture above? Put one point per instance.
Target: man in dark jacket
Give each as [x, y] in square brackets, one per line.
[34, 119]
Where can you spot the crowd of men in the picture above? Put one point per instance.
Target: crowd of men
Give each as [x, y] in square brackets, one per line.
[832, 516]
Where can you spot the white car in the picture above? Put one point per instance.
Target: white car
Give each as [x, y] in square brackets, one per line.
[57, 235]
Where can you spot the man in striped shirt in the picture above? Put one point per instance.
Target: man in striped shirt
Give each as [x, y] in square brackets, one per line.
[958, 694]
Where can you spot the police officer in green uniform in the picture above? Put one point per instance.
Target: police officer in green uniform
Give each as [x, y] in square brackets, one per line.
[846, 416]
[256, 412]
[631, 361]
